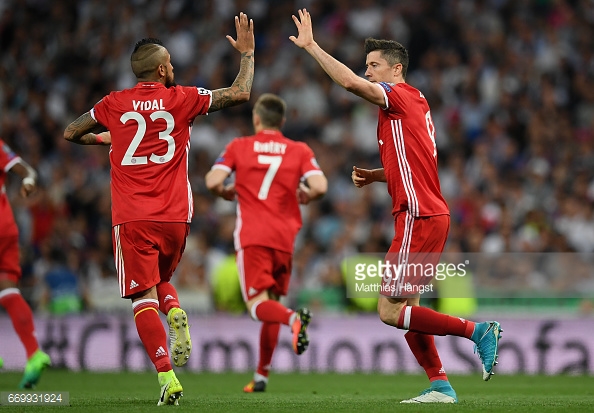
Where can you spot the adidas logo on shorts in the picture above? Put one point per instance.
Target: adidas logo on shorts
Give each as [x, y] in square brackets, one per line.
[133, 284]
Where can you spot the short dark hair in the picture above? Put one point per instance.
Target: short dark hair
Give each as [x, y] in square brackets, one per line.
[146, 40]
[271, 110]
[146, 58]
[390, 50]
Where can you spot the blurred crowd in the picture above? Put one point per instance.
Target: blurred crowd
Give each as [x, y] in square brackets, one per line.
[511, 90]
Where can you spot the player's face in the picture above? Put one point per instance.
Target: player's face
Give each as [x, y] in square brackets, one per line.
[169, 77]
[378, 69]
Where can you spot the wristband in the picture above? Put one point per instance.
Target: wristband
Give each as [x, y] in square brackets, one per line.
[29, 181]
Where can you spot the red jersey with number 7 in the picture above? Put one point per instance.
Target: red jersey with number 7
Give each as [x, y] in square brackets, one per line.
[150, 129]
[268, 168]
[406, 140]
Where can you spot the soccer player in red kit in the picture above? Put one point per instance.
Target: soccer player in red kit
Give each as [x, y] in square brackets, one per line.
[406, 141]
[269, 170]
[149, 129]
[10, 269]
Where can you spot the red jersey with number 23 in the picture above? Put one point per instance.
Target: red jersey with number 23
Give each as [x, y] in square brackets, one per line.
[150, 129]
[406, 140]
[268, 168]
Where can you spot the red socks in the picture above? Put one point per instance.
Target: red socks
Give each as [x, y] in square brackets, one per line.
[427, 321]
[22, 318]
[268, 340]
[167, 297]
[423, 347]
[151, 332]
[271, 311]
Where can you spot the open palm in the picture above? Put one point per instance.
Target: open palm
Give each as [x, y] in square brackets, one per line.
[303, 23]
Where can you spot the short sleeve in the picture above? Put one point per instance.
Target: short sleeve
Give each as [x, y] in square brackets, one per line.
[397, 99]
[227, 160]
[309, 164]
[198, 100]
[7, 157]
[100, 112]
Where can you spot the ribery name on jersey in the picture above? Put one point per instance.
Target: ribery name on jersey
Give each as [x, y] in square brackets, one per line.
[270, 147]
[148, 104]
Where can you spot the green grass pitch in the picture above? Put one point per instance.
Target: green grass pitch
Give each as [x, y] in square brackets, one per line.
[296, 393]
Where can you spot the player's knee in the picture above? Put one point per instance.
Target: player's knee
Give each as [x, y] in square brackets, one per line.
[252, 307]
[389, 312]
[387, 317]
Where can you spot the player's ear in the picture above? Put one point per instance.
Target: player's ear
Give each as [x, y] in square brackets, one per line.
[397, 69]
[256, 119]
[161, 71]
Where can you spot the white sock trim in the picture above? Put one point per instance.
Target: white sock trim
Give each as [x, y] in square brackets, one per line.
[292, 318]
[259, 377]
[9, 291]
[145, 301]
[253, 310]
[407, 314]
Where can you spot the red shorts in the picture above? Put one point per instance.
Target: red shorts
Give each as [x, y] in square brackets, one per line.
[147, 253]
[10, 268]
[261, 269]
[414, 254]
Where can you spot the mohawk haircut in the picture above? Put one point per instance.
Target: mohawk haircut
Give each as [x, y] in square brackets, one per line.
[271, 110]
[390, 50]
[148, 54]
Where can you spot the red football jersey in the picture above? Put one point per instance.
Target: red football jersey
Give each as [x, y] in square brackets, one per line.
[406, 140]
[268, 168]
[150, 129]
[7, 160]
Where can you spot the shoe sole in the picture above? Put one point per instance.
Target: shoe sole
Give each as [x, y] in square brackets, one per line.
[181, 347]
[496, 330]
[302, 339]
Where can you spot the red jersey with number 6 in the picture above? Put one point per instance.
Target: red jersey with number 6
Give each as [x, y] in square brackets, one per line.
[268, 168]
[406, 140]
[8, 159]
[150, 129]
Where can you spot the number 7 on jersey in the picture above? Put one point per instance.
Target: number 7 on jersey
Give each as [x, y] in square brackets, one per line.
[274, 162]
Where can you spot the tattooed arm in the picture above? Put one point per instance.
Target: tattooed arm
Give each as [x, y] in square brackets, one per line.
[240, 90]
[80, 131]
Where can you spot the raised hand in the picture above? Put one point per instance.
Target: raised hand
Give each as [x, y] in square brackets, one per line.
[245, 42]
[304, 27]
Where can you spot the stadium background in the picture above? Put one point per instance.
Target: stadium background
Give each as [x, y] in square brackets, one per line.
[511, 87]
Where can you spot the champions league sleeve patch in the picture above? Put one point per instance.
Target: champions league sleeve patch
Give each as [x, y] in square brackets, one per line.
[386, 86]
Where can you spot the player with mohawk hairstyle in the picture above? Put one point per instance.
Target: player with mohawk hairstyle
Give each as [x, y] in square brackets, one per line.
[148, 128]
